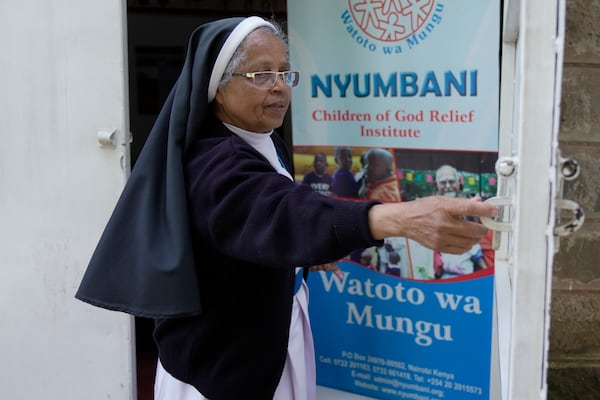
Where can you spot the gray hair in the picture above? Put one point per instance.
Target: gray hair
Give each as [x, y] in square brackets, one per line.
[239, 55]
[382, 153]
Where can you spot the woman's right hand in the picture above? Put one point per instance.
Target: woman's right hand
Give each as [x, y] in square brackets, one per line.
[435, 222]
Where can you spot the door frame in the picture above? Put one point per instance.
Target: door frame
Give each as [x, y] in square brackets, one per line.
[532, 56]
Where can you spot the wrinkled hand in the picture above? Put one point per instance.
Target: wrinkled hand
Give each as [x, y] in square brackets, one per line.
[328, 267]
[435, 222]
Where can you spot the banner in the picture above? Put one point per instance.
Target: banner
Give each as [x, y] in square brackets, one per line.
[398, 99]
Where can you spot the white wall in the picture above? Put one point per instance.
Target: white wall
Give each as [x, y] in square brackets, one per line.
[62, 78]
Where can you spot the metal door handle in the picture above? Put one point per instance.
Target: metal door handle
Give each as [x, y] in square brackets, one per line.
[575, 223]
[568, 170]
[496, 225]
[506, 168]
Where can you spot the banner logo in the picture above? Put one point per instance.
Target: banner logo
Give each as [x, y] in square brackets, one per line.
[391, 26]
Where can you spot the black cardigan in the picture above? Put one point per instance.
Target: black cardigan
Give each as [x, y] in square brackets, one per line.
[251, 227]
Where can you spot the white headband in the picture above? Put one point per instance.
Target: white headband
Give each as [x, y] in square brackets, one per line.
[236, 37]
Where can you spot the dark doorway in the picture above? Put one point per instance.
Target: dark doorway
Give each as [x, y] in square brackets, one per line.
[157, 32]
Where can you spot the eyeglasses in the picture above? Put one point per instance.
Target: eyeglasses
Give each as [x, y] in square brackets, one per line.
[445, 182]
[267, 79]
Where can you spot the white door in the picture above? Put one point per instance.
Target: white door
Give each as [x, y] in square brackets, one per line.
[529, 189]
[63, 92]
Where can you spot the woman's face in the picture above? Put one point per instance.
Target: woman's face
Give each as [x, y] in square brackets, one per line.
[244, 105]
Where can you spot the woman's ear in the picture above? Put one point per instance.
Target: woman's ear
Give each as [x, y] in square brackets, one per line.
[218, 97]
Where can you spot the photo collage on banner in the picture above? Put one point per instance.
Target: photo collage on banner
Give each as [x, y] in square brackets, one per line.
[398, 100]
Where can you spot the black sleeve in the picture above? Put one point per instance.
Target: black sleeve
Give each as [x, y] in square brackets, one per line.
[243, 207]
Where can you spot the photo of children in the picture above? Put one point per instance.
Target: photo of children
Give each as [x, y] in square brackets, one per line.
[394, 175]
[344, 184]
[447, 183]
[319, 179]
[379, 180]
